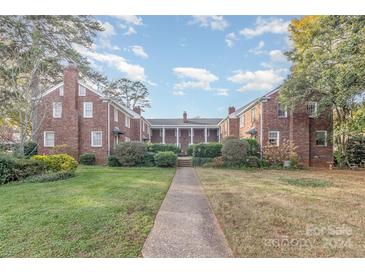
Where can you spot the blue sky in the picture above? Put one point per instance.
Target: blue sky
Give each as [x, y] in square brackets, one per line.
[200, 64]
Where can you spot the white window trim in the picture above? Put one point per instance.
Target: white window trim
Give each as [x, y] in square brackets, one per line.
[84, 88]
[116, 114]
[127, 139]
[278, 137]
[242, 121]
[127, 118]
[92, 109]
[62, 91]
[92, 139]
[44, 138]
[285, 112]
[325, 138]
[54, 110]
[315, 110]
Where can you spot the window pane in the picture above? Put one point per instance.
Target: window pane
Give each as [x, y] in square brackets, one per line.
[281, 111]
[82, 90]
[321, 138]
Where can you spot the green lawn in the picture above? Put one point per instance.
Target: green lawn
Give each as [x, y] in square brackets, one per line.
[102, 212]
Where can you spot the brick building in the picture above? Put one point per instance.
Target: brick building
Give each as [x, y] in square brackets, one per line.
[265, 120]
[75, 114]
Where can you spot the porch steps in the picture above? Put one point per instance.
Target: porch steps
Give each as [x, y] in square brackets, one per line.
[184, 162]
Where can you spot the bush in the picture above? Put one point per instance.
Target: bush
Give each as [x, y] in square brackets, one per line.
[131, 153]
[190, 150]
[88, 159]
[49, 177]
[209, 150]
[165, 159]
[218, 162]
[253, 161]
[356, 150]
[234, 152]
[276, 155]
[149, 159]
[30, 149]
[13, 169]
[163, 147]
[199, 161]
[113, 161]
[57, 162]
[253, 147]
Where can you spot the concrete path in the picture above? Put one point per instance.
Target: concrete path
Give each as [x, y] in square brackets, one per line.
[185, 225]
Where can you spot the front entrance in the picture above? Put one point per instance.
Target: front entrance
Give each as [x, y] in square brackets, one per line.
[184, 140]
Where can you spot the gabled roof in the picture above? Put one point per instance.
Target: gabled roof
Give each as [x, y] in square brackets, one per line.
[180, 122]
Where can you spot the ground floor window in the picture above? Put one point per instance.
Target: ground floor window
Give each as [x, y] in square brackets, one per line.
[127, 139]
[49, 139]
[321, 138]
[96, 138]
[274, 138]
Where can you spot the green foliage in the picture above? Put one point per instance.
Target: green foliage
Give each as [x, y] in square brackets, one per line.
[218, 162]
[49, 177]
[30, 149]
[149, 159]
[307, 182]
[165, 159]
[200, 161]
[234, 152]
[163, 147]
[252, 161]
[190, 150]
[209, 150]
[356, 150]
[88, 159]
[131, 153]
[253, 147]
[113, 161]
[57, 162]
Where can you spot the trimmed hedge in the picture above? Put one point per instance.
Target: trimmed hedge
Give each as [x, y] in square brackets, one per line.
[57, 162]
[234, 152]
[88, 159]
[163, 147]
[131, 153]
[209, 150]
[253, 148]
[49, 177]
[165, 159]
[113, 161]
[149, 159]
[199, 161]
[190, 150]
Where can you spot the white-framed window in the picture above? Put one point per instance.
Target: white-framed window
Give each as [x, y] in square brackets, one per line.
[61, 90]
[115, 115]
[127, 121]
[82, 90]
[88, 109]
[282, 111]
[242, 120]
[321, 138]
[48, 139]
[274, 138]
[127, 139]
[253, 115]
[57, 109]
[312, 109]
[96, 138]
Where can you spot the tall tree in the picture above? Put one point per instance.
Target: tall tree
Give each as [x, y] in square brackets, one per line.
[328, 67]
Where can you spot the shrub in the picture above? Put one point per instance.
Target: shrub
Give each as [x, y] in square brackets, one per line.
[218, 162]
[199, 161]
[57, 162]
[149, 159]
[88, 159]
[165, 159]
[190, 150]
[113, 161]
[356, 150]
[49, 177]
[253, 148]
[234, 152]
[253, 161]
[163, 147]
[131, 153]
[64, 149]
[276, 155]
[210, 150]
[30, 149]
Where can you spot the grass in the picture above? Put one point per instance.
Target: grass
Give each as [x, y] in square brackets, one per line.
[283, 213]
[102, 212]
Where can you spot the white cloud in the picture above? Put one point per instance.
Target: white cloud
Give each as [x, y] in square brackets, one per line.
[257, 80]
[277, 56]
[139, 51]
[194, 78]
[132, 71]
[258, 50]
[269, 25]
[221, 91]
[178, 93]
[130, 31]
[130, 19]
[214, 22]
[231, 38]
[106, 36]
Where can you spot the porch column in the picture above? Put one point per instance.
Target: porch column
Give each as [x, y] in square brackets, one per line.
[205, 135]
[191, 136]
[177, 137]
[219, 134]
[163, 135]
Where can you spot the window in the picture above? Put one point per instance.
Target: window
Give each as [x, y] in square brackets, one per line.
[253, 115]
[274, 138]
[61, 91]
[115, 115]
[96, 139]
[57, 109]
[282, 111]
[321, 138]
[242, 121]
[82, 90]
[49, 139]
[127, 139]
[127, 121]
[88, 110]
[312, 109]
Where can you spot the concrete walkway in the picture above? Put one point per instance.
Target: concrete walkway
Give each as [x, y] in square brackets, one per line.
[185, 226]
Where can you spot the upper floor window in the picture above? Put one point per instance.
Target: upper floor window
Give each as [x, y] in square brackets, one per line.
[82, 90]
[274, 138]
[127, 121]
[88, 110]
[96, 138]
[115, 115]
[321, 138]
[312, 109]
[57, 109]
[61, 91]
[48, 139]
[253, 115]
[242, 121]
[282, 111]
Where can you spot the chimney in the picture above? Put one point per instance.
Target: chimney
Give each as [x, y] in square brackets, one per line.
[231, 110]
[185, 117]
[137, 110]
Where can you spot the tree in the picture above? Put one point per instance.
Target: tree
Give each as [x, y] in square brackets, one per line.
[328, 66]
[130, 93]
[33, 50]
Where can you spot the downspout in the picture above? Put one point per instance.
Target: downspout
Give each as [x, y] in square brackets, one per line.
[108, 128]
[140, 129]
[261, 129]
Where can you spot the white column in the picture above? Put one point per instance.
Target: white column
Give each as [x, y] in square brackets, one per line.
[163, 135]
[191, 136]
[177, 136]
[205, 135]
[219, 134]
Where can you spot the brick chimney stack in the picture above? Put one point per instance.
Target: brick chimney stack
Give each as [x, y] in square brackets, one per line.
[185, 116]
[137, 110]
[231, 110]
